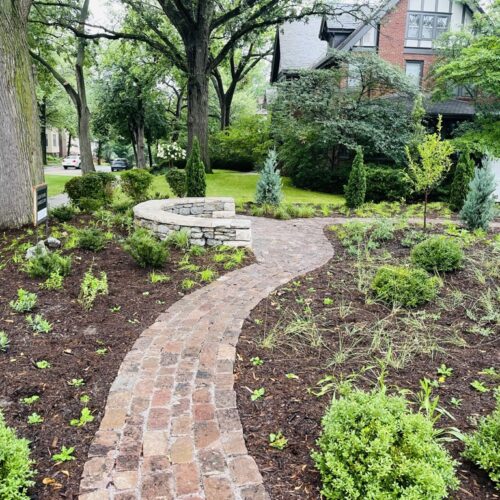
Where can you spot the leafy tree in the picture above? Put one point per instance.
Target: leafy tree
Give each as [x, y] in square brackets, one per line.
[195, 173]
[464, 173]
[269, 185]
[191, 34]
[432, 163]
[315, 117]
[355, 190]
[479, 207]
[20, 151]
[47, 54]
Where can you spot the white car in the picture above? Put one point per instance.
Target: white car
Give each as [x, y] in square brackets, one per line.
[71, 161]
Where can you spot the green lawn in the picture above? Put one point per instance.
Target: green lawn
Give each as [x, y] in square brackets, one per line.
[239, 186]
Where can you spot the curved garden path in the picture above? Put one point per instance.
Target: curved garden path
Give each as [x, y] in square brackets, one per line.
[171, 428]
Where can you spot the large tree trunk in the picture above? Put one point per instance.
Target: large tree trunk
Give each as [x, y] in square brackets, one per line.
[70, 138]
[197, 88]
[87, 161]
[43, 129]
[20, 151]
[141, 157]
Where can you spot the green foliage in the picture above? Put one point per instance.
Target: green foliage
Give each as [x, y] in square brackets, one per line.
[85, 418]
[63, 214]
[385, 183]
[4, 341]
[243, 146]
[39, 324]
[403, 286]
[179, 239]
[15, 465]
[479, 206]
[355, 190]
[314, 116]
[432, 163]
[145, 249]
[53, 282]
[44, 265]
[196, 185]
[25, 302]
[269, 185]
[176, 179]
[90, 191]
[464, 173]
[91, 287]
[278, 440]
[437, 254]
[373, 446]
[42, 364]
[482, 447]
[65, 455]
[91, 238]
[35, 418]
[136, 184]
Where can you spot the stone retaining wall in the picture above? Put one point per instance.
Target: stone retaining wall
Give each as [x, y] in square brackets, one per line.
[210, 221]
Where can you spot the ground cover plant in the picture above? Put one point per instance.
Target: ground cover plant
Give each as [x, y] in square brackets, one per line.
[326, 334]
[67, 319]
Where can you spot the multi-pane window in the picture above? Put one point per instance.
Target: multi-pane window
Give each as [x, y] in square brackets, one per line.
[424, 26]
[414, 70]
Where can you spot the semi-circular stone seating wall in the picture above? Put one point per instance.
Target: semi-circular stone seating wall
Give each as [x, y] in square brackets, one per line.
[210, 221]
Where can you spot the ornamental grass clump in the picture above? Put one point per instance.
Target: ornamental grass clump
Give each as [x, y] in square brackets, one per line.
[269, 186]
[145, 249]
[15, 465]
[404, 286]
[438, 254]
[479, 207]
[483, 446]
[373, 446]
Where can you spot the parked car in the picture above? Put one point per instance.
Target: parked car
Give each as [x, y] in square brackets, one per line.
[120, 164]
[71, 161]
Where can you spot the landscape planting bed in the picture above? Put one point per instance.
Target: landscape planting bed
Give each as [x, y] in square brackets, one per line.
[82, 345]
[349, 337]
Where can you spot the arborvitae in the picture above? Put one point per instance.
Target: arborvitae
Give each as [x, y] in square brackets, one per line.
[479, 207]
[464, 173]
[269, 187]
[355, 190]
[196, 185]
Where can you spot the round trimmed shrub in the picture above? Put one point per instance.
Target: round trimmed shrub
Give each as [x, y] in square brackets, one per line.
[136, 184]
[15, 464]
[90, 191]
[373, 446]
[145, 249]
[176, 179]
[437, 254]
[404, 286]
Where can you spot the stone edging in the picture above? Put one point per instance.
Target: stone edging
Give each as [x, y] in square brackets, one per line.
[210, 221]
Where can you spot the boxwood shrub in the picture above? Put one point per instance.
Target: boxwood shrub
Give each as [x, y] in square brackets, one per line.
[43, 265]
[385, 183]
[91, 191]
[146, 249]
[136, 184]
[404, 286]
[373, 446]
[15, 464]
[438, 253]
[483, 447]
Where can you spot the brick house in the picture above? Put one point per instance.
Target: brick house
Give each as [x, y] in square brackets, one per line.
[401, 32]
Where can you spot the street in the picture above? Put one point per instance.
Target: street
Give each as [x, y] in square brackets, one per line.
[59, 170]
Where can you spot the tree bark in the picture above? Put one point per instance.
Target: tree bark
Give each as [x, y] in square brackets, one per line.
[20, 152]
[197, 89]
[141, 157]
[43, 129]
[87, 160]
[150, 155]
[68, 152]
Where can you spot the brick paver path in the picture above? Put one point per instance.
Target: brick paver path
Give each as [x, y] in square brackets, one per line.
[171, 428]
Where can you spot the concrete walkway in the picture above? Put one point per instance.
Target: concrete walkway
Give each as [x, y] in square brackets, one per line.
[171, 429]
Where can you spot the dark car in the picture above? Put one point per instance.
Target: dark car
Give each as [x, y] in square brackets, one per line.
[120, 164]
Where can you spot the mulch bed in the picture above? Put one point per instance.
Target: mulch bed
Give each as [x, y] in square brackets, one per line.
[290, 407]
[71, 350]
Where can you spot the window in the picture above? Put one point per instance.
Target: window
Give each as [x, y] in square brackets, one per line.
[414, 70]
[54, 140]
[430, 6]
[423, 26]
